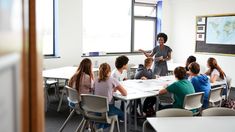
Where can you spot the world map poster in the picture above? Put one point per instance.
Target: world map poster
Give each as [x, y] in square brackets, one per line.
[220, 30]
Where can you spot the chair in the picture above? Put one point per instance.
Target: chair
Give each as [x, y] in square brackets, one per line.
[147, 127]
[73, 101]
[215, 96]
[166, 99]
[47, 85]
[63, 93]
[194, 102]
[218, 111]
[172, 112]
[94, 104]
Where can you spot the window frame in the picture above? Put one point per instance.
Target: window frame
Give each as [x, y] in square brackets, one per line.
[136, 17]
[55, 31]
[133, 18]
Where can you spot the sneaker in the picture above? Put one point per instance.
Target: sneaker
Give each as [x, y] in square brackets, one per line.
[100, 130]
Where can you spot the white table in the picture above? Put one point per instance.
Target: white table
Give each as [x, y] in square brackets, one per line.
[171, 66]
[137, 89]
[193, 124]
[62, 72]
[218, 83]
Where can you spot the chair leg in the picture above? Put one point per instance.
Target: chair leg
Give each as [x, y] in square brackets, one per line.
[80, 124]
[117, 123]
[58, 89]
[112, 126]
[47, 88]
[66, 121]
[46, 97]
[83, 125]
[61, 99]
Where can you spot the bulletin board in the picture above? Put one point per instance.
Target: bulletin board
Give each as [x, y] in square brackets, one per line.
[215, 34]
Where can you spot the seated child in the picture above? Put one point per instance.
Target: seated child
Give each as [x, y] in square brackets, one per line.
[200, 82]
[120, 72]
[83, 78]
[179, 88]
[145, 72]
[105, 85]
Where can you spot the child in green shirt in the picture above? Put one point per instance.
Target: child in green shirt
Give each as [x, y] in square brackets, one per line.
[180, 88]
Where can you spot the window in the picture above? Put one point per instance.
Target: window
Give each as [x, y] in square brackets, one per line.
[47, 21]
[144, 35]
[117, 26]
[144, 25]
[106, 25]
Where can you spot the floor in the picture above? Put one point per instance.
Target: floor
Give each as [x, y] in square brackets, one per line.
[54, 119]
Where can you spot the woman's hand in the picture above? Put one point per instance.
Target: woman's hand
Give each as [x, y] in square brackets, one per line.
[141, 50]
[145, 53]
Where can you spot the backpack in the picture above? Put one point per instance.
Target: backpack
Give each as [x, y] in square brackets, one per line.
[150, 112]
[148, 107]
[228, 103]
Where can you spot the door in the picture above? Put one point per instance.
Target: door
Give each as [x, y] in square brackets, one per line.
[22, 78]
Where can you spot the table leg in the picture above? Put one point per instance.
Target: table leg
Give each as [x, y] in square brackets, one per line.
[125, 117]
[157, 103]
[129, 116]
[135, 119]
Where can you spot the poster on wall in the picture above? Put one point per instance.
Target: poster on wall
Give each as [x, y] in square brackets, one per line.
[200, 37]
[201, 20]
[220, 30]
[200, 29]
[215, 34]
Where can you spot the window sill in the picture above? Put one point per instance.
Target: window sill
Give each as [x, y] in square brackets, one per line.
[51, 57]
[115, 54]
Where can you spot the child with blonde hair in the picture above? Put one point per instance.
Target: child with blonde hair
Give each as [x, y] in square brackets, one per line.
[105, 85]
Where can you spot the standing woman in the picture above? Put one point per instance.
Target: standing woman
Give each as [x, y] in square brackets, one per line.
[161, 53]
[83, 79]
[215, 72]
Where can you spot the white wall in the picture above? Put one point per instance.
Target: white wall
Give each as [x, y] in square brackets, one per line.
[178, 22]
[70, 38]
[70, 34]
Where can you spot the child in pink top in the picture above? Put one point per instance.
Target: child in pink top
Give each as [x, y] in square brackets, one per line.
[82, 80]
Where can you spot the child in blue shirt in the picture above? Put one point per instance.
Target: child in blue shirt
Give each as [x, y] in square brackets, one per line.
[200, 82]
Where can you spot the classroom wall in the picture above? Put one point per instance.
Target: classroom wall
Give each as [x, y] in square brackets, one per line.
[70, 39]
[179, 19]
[178, 22]
[70, 34]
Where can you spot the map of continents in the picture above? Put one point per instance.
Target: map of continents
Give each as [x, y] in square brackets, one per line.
[220, 30]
